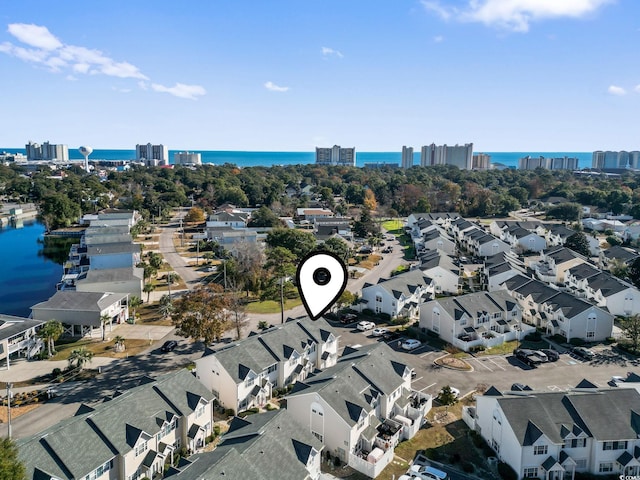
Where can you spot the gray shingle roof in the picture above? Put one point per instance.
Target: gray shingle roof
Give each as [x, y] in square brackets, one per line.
[584, 270]
[113, 275]
[81, 301]
[113, 248]
[607, 284]
[10, 325]
[404, 283]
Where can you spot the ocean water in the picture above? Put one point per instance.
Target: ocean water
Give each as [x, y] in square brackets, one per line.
[27, 277]
[267, 159]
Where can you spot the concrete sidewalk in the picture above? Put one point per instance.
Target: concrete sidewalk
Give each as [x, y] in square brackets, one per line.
[24, 370]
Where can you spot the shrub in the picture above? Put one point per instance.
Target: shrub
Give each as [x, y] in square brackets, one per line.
[432, 454]
[216, 430]
[230, 412]
[506, 472]
[270, 407]
[455, 458]
[467, 467]
[534, 336]
[56, 372]
[336, 461]
[385, 317]
[400, 321]
[576, 341]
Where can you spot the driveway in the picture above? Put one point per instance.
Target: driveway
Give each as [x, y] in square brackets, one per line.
[168, 251]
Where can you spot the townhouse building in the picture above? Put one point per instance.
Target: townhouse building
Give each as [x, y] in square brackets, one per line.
[554, 435]
[126, 437]
[398, 296]
[361, 408]
[477, 319]
[244, 374]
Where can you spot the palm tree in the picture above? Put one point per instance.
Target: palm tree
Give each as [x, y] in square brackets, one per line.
[134, 302]
[50, 332]
[104, 319]
[119, 343]
[80, 356]
[166, 306]
[148, 288]
[172, 277]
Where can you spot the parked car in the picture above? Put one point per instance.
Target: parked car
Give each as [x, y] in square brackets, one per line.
[427, 472]
[410, 344]
[414, 374]
[519, 387]
[348, 318]
[552, 355]
[364, 325]
[615, 380]
[541, 355]
[391, 335]
[378, 332]
[583, 353]
[169, 345]
[527, 356]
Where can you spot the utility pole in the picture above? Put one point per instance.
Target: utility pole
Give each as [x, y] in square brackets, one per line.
[9, 387]
[197, 252]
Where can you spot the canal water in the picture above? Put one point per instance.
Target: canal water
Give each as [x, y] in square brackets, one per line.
[27, 276]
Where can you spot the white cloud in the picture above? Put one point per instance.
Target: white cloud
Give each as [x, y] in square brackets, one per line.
[616, 90]
[47, 50]
[637, 88]
[326, 52]
[438, 39]
[181, 90]
[121, 90]
[275, 88]
[515, 15]
[34, 36]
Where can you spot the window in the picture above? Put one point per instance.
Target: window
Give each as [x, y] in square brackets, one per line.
[591, 334]
[495, 445]
[317, 435]
[140, 449]
[605, 467]
[540, 450]
[272, 368]
[621, 445]
[581, 464]
[531, 472]
[200, 411]
[575, 443]
[496, 315]
[463, 322]
[249, 381]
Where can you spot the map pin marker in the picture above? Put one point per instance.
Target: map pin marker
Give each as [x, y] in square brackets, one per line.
[321, 279]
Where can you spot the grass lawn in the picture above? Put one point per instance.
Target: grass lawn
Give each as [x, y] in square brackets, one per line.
[504, 349]
[100, 348]
[394, 227]
[270, 306]
[370, 262]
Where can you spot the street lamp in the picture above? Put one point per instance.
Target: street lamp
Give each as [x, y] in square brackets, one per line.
[9, 387]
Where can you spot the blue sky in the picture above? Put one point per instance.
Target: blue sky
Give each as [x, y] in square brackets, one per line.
[507, 75]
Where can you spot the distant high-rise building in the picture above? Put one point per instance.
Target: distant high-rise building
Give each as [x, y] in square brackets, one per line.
[47, 151]
[336, 155]
[621, 159]
[407, 157]
[187, 158]
[149, 152]
[481, 161]
[558, 163]
[460, 156]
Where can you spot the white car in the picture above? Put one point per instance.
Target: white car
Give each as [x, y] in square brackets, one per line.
[364, 325]
[410, 344]
[378, 332]
[427, 472]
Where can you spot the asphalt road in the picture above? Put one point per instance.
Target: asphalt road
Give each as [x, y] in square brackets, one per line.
[168, 251]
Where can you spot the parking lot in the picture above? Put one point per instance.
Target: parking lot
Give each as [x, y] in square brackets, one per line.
[501, 371]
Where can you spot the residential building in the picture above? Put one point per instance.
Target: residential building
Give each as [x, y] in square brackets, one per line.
[244, 374]
[481, 161]
[481, 319]
[435, 239]
[554, 435]
[84, 310]
[223, 218]
[113, 255]
[325, 228]
[258, 447]
[602, 225]
[615, 160]
[187, 158]
[554, 233]
[398, 296]
[361, 407]
[441, 219]
[153, 152]
[499, 268]
[18, 337]
[336, 155]
[129, 280]
[313, 214]
[129, 436]
[523, 240]
[47, 151]
[442, 270]
[407, 157]
[560, 163]
[460, 156]
[498, 227]
[559, 312]
[618, 253]
[554, 262]
[482, 244]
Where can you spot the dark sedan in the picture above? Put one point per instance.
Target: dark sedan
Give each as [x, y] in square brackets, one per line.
[169, 345]
[552, 355]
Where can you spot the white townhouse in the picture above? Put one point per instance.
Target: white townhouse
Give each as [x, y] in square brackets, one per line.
[555, 262]
[499, 268]
[524, 240]
[18, 337]
[477, 319]
[619, 253]
[461, 225]
[266, 446]
[84, 310]
[227, 219]
[554, 435]
[441, 269]
[554, 233]
[398, 296]
[481, 244]
[129, 436]
[559, 312]
[361, 407]
[244, 374]
[498, 227]
[113, 255]
[435, 240]
[441, 219]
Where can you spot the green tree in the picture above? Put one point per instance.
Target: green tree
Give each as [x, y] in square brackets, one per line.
[172, 277]
[631, 329]
[264, 217]
[566, 211]
[119, 343]
[50, 332]
[346, 299]
[578, 243]
[202, 314]
[11, 468]
[166, 306]
[618, 268]
[80, 356]
[155, 260]
[148, 288]
[338, 247]
[298, 242]
[134, 303]
[447, 397]
[104, 319]
[612, 240]
[365, 226]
